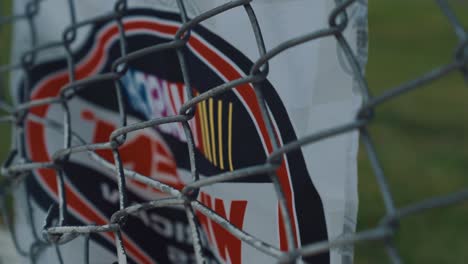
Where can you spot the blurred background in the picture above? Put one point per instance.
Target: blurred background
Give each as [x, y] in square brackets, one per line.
[420, 137]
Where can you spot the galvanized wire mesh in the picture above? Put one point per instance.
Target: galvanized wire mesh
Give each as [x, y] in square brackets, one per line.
[17, 166]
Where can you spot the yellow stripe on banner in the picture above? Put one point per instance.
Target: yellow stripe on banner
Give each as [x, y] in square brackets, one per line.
[231, 168]
[220, 134]
[206, 133]
[200, 117]
[213, 140]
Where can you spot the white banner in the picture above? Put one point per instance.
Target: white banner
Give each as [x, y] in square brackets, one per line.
[309, 88]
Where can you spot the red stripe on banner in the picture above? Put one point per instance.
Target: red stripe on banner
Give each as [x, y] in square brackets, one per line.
[150, 25]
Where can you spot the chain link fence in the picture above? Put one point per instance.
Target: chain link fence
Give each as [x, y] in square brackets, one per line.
[18, 166]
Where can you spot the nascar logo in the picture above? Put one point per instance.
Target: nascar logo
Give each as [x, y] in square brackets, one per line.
[228, 132]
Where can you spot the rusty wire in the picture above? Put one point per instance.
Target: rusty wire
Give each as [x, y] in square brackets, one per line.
[18, 166]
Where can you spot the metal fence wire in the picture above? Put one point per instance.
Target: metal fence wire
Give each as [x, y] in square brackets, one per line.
[17, 166]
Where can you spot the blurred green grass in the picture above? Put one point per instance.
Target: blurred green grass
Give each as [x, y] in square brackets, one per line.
[420, 137]
[5, 33]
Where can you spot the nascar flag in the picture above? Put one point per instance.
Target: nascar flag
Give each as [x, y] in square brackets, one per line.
[309, 88]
